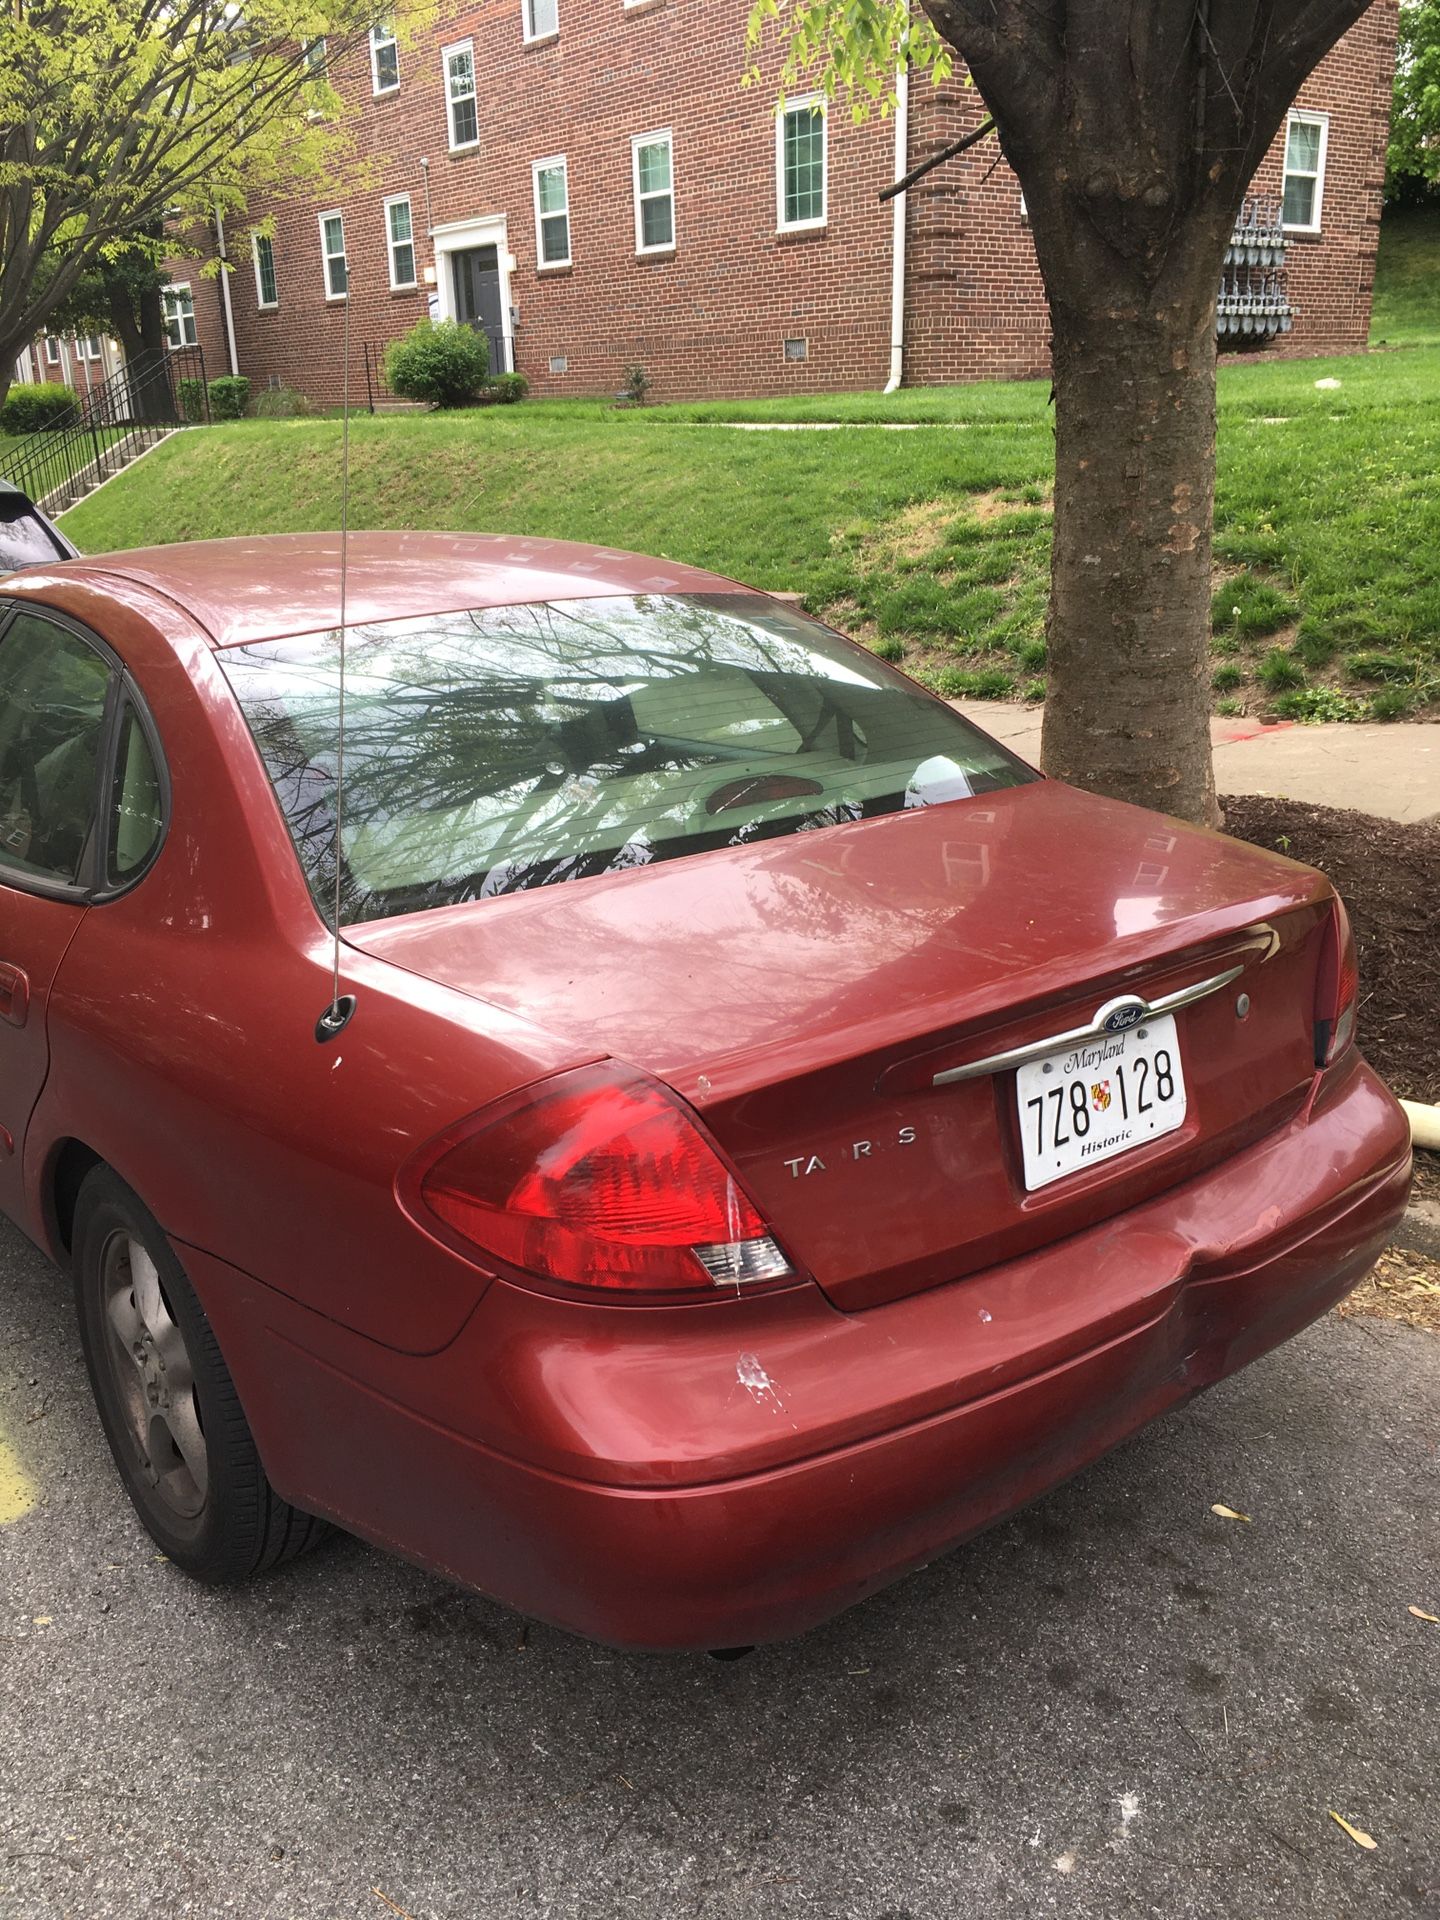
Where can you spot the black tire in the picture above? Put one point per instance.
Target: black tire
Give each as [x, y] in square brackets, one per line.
[178, 1434]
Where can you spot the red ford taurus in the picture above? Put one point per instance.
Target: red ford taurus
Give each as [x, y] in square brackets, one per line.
[760, 1133]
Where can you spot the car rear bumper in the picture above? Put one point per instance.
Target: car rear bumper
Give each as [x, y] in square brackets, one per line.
[733, 1473]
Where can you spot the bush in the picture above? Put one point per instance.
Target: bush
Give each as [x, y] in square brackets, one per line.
[229, 396]
[31, 408]
[1279, 670]
[191, 395]
[507, 388]
[1321, 703]
[637, 385]
[1226, 676]
[440, 361]
[282, 403]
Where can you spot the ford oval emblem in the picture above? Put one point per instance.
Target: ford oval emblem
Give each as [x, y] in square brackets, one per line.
[1121, 1015]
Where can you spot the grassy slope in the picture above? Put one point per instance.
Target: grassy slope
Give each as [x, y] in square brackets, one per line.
[1407, 279]
[933, 542]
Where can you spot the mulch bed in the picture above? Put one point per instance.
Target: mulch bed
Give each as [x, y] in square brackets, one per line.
[1388, 875]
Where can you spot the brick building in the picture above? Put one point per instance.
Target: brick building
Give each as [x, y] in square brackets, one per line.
[588, 181]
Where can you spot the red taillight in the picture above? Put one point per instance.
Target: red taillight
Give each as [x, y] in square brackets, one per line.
[1337, 989]
[595, 1179]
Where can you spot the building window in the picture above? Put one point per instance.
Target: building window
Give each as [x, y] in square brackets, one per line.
[797, 349]
[90, 347]
[332, 246]
[179, 311]
[651, 161]
[315, 56]
[1306, 138]
[384, 59]
[541, 18]
[400, 240]
[263, 250]
[460, 95]
[559, 363]
[52, 353]
[800, 163]
[552, 212]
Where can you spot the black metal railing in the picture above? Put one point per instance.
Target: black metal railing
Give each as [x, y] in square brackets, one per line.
[108, 426]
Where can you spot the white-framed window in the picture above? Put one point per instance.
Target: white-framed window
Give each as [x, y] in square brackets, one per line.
[652, 166]
[541, 18]
[178, 308]
[1306, 137]
[90, 347]
[459, 65]
[400, 241]
[332, 248]
[384, 59]
[315, 54]
[801, 163]
[552, 211]
[52, 352]
[262, 253]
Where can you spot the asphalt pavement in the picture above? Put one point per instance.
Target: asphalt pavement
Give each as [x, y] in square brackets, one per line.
[1116, 1704]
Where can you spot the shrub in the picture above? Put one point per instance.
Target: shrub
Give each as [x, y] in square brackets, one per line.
[1380, 666]
[637, 385]
[30, 408]
[1320, 703]
[1279, 670]
[1250, 606]
[1392, 703]
[1031, 654]
[282, 403]
[1226, 676]
[989, 684]
[441, 361]
[229, 396]
[507, 388]
[191, 395]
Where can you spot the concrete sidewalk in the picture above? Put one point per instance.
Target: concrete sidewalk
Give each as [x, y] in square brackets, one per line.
[1391, 769]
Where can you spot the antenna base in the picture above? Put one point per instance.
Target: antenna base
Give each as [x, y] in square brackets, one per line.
[335, 1018]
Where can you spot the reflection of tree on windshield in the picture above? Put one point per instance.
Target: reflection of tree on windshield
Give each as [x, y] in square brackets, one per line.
[510, 747]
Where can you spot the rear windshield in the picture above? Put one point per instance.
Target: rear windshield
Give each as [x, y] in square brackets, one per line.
[513, 747]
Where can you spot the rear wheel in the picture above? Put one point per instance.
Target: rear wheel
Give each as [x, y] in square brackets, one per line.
[166, 1400]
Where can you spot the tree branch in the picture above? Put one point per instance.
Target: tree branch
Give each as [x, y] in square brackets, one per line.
[955, 148]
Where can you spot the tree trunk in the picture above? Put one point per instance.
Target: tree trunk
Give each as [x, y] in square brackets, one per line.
[1129, 622]
[139, 325]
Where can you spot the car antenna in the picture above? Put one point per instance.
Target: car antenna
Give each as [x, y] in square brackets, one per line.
[337, 1015]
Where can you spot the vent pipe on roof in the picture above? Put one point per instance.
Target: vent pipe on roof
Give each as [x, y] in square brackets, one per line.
[897, 243]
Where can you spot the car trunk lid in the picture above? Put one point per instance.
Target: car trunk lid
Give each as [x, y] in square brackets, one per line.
[806, 994]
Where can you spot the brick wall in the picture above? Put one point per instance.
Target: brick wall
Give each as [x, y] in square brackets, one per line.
[712, 316]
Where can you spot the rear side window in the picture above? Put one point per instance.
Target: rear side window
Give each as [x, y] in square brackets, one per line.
[137, 801]
[491, 751]
[53, 690]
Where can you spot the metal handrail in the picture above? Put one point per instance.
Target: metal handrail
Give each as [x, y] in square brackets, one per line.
[106, 428]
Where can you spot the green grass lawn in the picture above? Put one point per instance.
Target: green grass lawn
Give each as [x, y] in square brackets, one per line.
[1407, 279]
[930, 544]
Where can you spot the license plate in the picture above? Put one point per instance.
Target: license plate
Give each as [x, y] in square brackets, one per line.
[1104, 1097]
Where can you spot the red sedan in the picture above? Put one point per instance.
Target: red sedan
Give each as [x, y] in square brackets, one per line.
[751, 1133]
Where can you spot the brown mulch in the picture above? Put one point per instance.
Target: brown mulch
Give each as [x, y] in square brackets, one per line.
[1389, 877]
[1400, 1286]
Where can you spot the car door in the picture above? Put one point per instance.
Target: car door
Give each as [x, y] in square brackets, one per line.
[58, 695]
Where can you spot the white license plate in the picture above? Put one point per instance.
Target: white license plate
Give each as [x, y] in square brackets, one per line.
[1093, 1101]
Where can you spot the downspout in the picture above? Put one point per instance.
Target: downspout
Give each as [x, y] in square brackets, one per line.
[225, 293]
[897, 243]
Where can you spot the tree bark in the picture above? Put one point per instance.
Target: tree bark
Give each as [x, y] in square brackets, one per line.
[1129, 619]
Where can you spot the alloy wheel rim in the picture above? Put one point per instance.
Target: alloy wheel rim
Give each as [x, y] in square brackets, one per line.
[155, 1383]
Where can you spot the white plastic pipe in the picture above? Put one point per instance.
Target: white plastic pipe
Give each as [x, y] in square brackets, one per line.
[897, 245]
[1424, 1124]
[225, 294]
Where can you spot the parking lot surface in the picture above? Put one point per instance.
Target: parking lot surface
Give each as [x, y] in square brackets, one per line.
[1117, 1704]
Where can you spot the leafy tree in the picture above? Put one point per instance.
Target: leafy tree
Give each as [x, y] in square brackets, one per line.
[116, 114]
[1413, 161]
[1135, 131]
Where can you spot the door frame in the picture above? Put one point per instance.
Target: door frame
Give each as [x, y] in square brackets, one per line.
[457, 236]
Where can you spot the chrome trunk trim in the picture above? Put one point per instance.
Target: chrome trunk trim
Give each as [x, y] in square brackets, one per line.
[1037, 1049]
